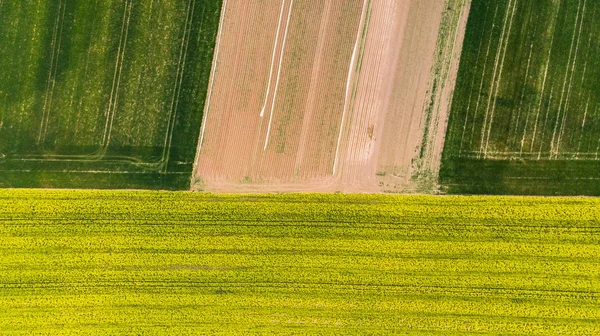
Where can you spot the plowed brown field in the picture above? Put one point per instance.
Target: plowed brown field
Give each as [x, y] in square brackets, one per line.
[323, 95]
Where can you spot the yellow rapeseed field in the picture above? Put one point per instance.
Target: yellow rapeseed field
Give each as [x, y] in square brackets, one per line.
[180, 263]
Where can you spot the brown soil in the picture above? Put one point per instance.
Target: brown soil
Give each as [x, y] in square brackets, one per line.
[318, 95]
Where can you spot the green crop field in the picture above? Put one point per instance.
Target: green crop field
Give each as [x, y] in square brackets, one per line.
[103, 93]
[526, 111]
[152, 263]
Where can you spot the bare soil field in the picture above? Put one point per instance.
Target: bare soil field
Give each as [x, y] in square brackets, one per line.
[327, 96]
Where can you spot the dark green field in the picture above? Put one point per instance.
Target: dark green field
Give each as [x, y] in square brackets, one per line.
[103, 93]
[526, 110]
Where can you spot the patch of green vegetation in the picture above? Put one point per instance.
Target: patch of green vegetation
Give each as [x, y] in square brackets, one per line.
[526, 100]
[110, 262]
[110, 91]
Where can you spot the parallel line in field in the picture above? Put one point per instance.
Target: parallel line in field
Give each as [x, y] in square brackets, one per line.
[568, 99]
[498, 63]
[331, 135]
[88, 224]
[556, 261]
[114, 93]
[582, 83]
[55, 66]
[512, 139]
[187, 31]
[597, 149]
[317, 139]
[192, 283]
[481, 39]
[364, 111]
[540, 151]
[117, 89]
[55, 53]
[311, 96]
[275, 43]
[493, 81]
[362, 26]
[566, 108]
[541, 98]
[256, 158]
[483, 76]
[364, 96]
[521, 101]
[587, 105]
[499, 80]
[511, 153]
[561, 105]
[315, 223]
[287, 24]
[596, 109]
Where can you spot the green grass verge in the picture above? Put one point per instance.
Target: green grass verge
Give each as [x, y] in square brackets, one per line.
[153, 263]
[103, 87]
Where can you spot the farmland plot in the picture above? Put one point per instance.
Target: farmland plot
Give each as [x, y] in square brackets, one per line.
[403, 89]
[329, 96]
[163, 263]
[525, 117]
[277, 94]
[102, 93]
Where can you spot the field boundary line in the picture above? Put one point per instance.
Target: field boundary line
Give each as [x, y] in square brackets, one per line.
[442, 83]
[212, 82]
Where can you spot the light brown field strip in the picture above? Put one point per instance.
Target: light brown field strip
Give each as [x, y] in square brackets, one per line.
[325, 95]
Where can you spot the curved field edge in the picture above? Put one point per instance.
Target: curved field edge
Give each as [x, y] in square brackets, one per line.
[126, 262]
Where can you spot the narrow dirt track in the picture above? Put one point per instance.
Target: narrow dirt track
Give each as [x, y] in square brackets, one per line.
[318, 96]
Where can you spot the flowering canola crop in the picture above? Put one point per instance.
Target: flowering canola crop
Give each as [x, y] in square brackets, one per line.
[153, 263]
